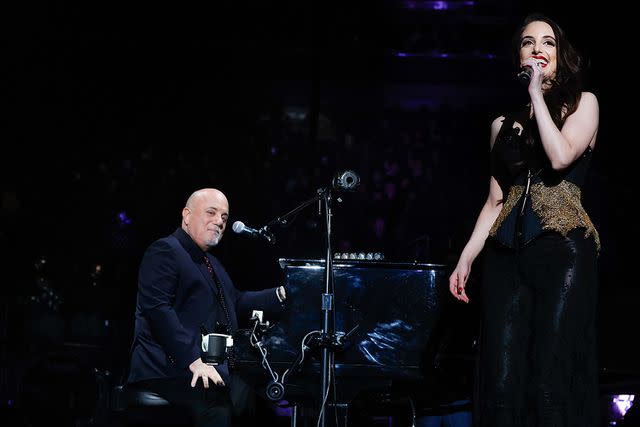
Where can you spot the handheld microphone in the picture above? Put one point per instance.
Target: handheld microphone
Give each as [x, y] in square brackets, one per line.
[239, 228]
[525, 74]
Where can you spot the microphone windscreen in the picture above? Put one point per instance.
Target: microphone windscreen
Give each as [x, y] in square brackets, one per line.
[238, 226]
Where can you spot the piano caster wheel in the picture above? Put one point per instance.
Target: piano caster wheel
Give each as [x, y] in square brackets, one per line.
[275, 390]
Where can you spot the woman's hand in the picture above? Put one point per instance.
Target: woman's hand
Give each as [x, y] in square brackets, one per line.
[537, 78]
[458, 281]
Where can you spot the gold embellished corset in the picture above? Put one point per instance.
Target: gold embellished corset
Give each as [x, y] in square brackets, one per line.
[556, 208]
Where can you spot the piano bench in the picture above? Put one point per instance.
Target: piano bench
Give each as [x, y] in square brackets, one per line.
[139, 407]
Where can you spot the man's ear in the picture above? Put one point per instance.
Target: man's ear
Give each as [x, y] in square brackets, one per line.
[185, 215]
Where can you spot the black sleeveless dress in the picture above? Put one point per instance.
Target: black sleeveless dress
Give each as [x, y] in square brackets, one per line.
[537, 364]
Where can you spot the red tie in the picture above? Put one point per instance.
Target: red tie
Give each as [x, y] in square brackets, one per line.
[221, 298]
[230, 353]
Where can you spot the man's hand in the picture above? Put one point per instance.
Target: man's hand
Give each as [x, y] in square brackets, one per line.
[206, 372]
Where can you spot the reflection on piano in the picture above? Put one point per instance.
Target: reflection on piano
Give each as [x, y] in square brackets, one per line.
[385, 318]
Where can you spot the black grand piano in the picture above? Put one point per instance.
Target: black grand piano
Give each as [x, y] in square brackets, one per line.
[386, 317]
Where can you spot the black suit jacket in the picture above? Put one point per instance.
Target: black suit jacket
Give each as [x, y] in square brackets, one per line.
[176, 296]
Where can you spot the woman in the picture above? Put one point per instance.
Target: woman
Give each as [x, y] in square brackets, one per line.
[537, 364]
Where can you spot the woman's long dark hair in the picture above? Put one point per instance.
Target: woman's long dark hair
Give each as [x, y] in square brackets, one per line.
[566, 87]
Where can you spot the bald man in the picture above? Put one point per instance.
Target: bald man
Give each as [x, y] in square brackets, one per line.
[178, 296]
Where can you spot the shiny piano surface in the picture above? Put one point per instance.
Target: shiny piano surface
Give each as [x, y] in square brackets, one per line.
[395, 306]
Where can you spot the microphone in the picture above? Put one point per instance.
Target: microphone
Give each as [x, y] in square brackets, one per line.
[240, 228]
[347, 180]
[525, 75]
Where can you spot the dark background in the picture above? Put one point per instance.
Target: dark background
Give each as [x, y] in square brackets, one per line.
[115, 112]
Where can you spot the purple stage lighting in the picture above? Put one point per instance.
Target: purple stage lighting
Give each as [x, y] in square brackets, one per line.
[437, 5]
[123, 219]
[619, 405]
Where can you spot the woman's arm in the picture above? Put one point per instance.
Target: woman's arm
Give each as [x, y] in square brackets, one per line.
[564, 146]
[486, 218]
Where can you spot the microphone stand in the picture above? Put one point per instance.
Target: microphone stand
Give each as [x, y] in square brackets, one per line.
[328, 340]
[328, 335]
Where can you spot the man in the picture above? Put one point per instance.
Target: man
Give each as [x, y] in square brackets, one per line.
[183, 290]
